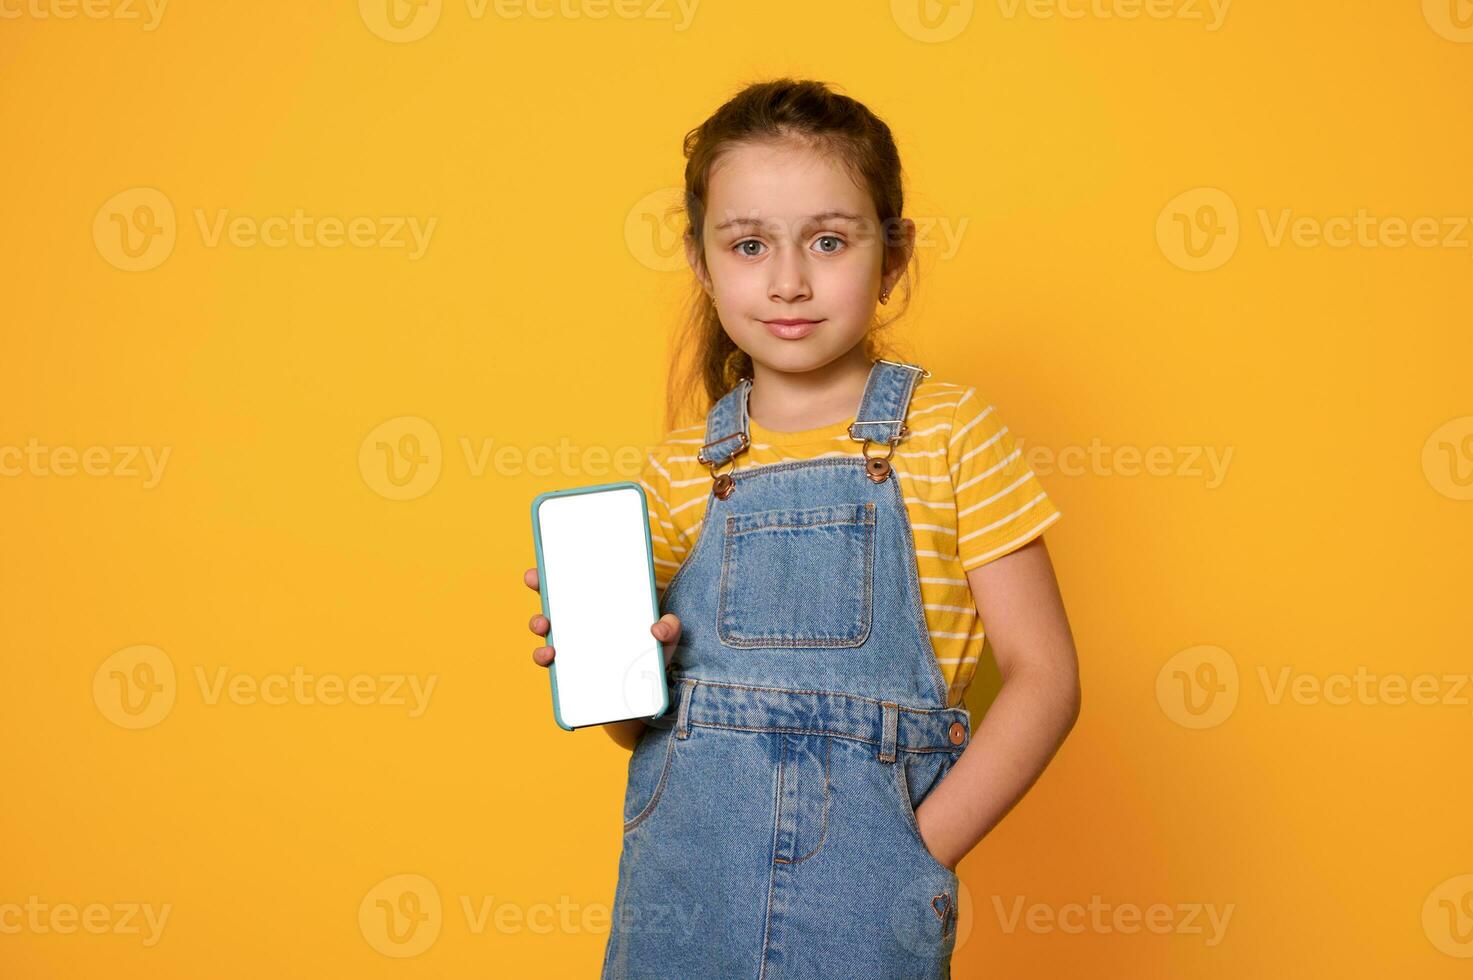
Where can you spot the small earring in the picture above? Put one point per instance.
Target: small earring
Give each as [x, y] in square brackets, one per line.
[884, 296]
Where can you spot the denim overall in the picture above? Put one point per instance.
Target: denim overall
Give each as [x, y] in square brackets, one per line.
[769, 815]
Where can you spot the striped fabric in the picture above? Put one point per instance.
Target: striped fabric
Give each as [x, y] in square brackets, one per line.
[970, 495]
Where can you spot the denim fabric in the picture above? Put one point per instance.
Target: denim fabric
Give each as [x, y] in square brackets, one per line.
[769, 816]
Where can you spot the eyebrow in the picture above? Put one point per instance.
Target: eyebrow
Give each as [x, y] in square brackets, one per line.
[822, 216]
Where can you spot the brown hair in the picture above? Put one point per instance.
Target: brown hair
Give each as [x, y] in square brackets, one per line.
[706, 364]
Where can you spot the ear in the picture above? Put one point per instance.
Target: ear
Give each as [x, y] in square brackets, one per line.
[904, 238]
[698, 264]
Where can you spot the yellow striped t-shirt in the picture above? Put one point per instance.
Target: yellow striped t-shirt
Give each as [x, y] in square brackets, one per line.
[970, 495]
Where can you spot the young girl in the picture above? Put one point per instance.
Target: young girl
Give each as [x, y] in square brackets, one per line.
[824, 545]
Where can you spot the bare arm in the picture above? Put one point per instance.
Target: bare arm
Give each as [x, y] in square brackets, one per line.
[1018, 598]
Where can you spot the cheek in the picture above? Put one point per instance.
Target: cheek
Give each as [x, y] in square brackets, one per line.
[850, 284]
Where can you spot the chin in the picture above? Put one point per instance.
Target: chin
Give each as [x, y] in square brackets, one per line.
[795, 356]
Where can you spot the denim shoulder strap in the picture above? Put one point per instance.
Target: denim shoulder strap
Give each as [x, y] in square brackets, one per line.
[726, 426]
[881, 416]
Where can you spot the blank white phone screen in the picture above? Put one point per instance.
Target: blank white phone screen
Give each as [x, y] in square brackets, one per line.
[596, 568]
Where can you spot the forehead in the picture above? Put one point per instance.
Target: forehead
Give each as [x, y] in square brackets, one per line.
[781, 182]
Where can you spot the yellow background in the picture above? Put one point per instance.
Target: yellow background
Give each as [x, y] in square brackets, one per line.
[538, 314]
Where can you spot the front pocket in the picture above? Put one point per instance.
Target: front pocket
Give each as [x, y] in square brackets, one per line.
[649, 769]
[798, 577]
[916, 784]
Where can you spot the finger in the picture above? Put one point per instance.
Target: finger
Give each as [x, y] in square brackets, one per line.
[666, 628]
[538, 624]
[542, 656]
[530, 578]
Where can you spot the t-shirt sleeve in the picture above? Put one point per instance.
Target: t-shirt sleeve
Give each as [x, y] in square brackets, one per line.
[1000, 503]
[654, 477]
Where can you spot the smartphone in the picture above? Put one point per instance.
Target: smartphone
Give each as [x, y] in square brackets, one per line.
[596, 573]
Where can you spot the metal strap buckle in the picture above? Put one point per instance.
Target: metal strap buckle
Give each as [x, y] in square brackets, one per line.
[904, 429]
[913, 367]
[701, 453]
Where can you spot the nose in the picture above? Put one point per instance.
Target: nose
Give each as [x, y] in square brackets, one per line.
[789, 282]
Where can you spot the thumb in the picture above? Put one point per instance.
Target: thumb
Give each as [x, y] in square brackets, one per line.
[667, 629]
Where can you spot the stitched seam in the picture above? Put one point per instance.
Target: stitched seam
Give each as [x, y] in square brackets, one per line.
[778, 813]
[910, 816]
[823, 831]
[856, 522]
[689, 558]
[771, 877]
[659, 787]
[793, 642]
[763, 520]
[734, 638]
[762, 469]
[877, 702]
[722, 585]
[818, 731]
[869, 572]
[913, 592]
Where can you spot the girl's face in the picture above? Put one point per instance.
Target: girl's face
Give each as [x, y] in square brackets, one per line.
[789, 236]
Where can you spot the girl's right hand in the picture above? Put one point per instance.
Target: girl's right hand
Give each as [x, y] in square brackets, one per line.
[666, 629]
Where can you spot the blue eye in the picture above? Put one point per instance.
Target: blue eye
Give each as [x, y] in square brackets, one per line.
[831, 238]
[748, 241]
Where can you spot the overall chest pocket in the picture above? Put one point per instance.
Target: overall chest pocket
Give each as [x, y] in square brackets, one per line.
[798, 577]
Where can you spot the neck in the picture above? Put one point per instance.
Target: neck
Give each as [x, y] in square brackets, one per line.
[790, 402]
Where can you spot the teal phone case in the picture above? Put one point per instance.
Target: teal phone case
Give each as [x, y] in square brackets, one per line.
[649, 551]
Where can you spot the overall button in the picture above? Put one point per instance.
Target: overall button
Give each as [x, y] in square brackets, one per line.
[957, 733]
